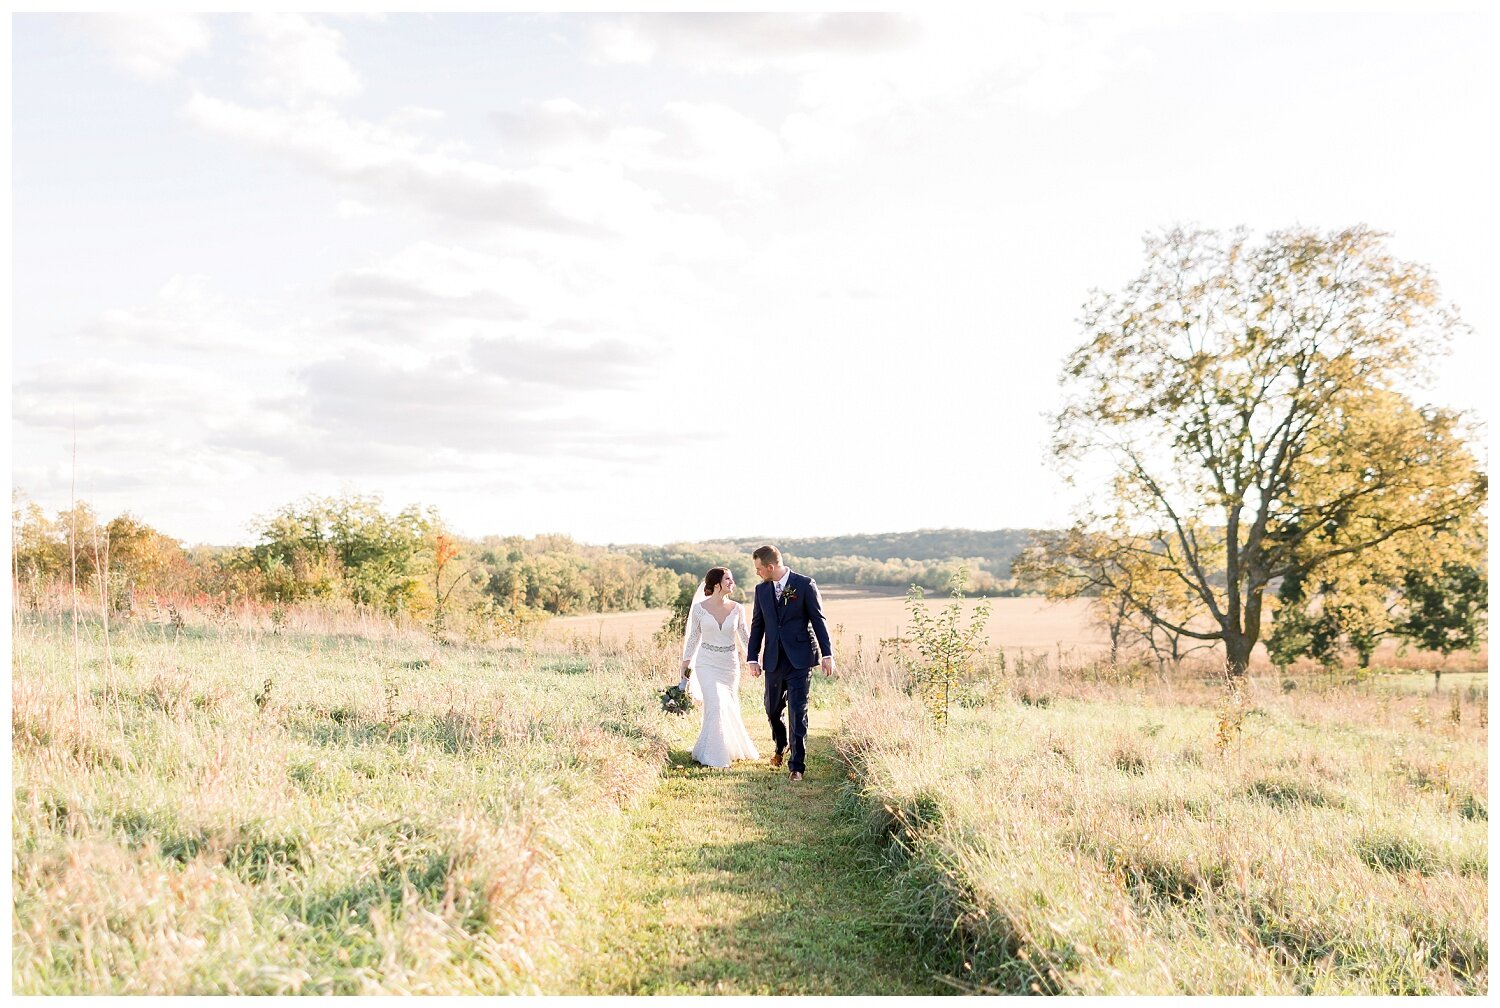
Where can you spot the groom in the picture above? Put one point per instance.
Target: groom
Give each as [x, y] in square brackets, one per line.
[787, 607]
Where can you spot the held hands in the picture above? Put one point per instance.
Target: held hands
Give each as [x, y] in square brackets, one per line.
[827, 667]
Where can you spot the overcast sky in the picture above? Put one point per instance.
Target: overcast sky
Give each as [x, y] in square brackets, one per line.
[640, 279]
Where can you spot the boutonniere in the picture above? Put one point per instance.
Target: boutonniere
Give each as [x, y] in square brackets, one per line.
[789, 595]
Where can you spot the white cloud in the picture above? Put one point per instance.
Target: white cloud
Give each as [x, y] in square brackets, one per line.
[574, 316]
[555, 122]
[394, 165]
[150, 45]
[976, 57]
[590, 197]
[431, 295]
[433, 271]
[114, 480]
[745, 42]
[364, 412]
[294, 58]
[696, 140]
[93, 393]
[718, 141]
[186, 314]
[856, 72]
[414, 115]
[350, 209]
[610, 363]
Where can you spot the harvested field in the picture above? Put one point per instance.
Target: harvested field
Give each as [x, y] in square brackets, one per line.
[870, 615]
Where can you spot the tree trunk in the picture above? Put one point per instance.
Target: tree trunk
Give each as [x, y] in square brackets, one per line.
[1237, 649]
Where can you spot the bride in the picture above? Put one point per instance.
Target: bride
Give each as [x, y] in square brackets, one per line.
[714, 623]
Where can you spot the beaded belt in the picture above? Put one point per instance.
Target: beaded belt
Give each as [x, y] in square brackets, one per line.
[715, 647]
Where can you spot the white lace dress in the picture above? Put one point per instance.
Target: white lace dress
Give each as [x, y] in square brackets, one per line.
[714, 654]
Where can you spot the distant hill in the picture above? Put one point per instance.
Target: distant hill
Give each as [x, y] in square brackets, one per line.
[997, 546]
[927, 557]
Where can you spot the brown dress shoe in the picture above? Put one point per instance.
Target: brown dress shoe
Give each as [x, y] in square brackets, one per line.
[796, 775]
[776, 760]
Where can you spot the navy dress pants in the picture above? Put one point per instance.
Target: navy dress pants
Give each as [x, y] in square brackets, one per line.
[786, 691]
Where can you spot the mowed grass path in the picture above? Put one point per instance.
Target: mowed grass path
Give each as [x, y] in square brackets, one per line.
[740, 882]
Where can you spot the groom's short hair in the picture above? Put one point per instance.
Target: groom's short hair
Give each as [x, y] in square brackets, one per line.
[769, 556]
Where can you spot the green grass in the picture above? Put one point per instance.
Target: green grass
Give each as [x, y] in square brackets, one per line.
[1098, 843]
[325, 812]
[741, 882]
[322, 811]
[385, 816]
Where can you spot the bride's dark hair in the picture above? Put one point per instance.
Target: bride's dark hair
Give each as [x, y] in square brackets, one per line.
[712, 578]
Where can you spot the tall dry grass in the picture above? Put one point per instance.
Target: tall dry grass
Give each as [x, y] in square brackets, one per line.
[324, 805]
[1078, 830]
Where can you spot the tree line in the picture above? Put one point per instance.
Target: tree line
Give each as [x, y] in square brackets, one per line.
[896, 572]
[993, 550]
[334, 549]
[351, 549]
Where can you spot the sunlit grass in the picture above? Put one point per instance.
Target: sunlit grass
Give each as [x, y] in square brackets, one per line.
[1072, 836]
[742, 882]
[315, 811]
[346, 807]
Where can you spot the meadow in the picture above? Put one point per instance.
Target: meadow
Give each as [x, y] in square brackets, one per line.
[216, 804]
[237, 801]
[1065, 833]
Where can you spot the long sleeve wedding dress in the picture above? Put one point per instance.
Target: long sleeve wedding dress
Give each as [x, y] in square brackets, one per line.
[723, 738]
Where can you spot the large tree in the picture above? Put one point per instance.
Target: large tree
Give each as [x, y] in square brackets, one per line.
[1241, 412]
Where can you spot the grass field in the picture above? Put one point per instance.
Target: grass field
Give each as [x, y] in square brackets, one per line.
[335, 809]
[741, 882]
[235, 811]
[1064, 835]
[342, 807]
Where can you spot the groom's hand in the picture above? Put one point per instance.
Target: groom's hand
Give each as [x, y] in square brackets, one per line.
[828, 665]
[754, 669]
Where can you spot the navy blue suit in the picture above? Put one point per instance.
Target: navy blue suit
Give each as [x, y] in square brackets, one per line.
[787, 630]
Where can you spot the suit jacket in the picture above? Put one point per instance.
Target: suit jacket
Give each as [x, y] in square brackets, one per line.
[788, 627]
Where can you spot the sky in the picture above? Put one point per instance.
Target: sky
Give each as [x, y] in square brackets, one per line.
[663, 278]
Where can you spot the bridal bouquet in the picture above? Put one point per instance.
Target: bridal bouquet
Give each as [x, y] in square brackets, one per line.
[675, 699]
